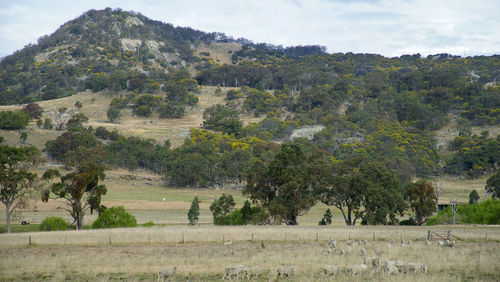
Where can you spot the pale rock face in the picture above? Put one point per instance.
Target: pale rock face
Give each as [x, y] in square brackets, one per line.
[130, 21]
[130, 44]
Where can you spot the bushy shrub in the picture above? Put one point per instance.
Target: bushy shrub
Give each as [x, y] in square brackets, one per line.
[13, 120]
[487, 212]
[115, 217]
[53, 223]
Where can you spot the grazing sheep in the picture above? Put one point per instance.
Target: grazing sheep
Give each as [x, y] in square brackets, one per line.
[332, 243]
[349, 242]
[362, 252]
[440, 243]
[402, 243]
[356, 269]
[378, 253]
[412, 267]
[401, 266]
[390, 267]
[167, 273]
[339, 252]
[409, 242]
[286, 271]
[228, 243]
[422, 267]
[331, 270]
[365, 242]
[233, 271]
[368, 260]
[251, 272]
[376, 271]
[391, 241]
[427, 243]
[326, 251]
[452, 244]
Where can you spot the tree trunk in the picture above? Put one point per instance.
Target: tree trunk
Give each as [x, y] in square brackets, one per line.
[7, 216]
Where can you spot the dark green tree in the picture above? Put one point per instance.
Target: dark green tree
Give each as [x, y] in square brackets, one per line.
[33, 110]
[13, 120]
[473, 197]
[221, 118]
[420, 196]
[327, 218]
[80, 190]
[114, 114]
[16, 181]
[288, 185]
[221, 207]
[493, 185]
[194, 211]
[23, 136]
[47, 124]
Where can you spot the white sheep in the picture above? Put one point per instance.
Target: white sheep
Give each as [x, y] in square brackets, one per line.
[167, 273]
[427, 243]
[440, 243]
[390, 267]
[331, 270]
[367, 260]
[356, 269]
[339, 252]
[452, 244]
[412, 267]
[228, 243]
[409, 242]
[365, 242]
[326, 251]
[349, 242]
[332, 243]
[232, 271]
[378, 253]
[373, 261]
[286, 271]
[422, 267]
[251, 272]
[362, 252]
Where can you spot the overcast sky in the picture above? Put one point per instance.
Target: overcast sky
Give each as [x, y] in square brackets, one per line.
[390, 28]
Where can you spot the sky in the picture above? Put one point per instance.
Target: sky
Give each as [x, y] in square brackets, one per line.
[390, 28]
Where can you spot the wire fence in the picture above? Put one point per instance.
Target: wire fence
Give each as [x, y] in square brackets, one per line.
[232, 235]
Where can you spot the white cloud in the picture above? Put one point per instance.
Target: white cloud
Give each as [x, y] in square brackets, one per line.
[391, 28]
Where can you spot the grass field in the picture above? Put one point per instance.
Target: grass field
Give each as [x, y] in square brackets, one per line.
[139, 253]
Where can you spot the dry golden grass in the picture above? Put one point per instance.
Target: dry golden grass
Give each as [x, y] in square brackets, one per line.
[87, 255]
[220, 53]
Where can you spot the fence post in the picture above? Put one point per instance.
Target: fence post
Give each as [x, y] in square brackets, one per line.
[373, 236]
[486, 235]
[65, 238]
[29, 241]
[285, 236]
[317, 236]
[182, 242]
[251, 240]
[428, 235]
[110, 240]
[222, 237]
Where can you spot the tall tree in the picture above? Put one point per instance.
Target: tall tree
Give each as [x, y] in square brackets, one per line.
[194, 211]
[80, 190]
[420, 196]
[16, 182]
[288, 185]
[493, 185]
[363, 189]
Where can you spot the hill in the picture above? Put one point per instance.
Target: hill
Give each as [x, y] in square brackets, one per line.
[199, 109]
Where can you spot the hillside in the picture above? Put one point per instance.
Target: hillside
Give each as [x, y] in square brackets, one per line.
[202, 110]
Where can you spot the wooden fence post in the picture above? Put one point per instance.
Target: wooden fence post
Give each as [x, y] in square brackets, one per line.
[428, 235]
[251, 240]
[317, 236]
[182, 242]
[373, 236]
[110, 240]
[29, 241]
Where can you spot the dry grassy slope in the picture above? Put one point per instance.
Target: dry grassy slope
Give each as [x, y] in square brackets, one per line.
[220, 53]
[95, 106]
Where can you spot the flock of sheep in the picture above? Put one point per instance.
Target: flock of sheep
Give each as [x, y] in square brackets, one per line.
[372, 265]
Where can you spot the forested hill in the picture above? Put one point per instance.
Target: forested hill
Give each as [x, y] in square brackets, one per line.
[384, 108]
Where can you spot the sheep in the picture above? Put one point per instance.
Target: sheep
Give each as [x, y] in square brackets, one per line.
[331, 270]
[286, 271]
[390, 267]
[365, 242]
[251, 272]
[412, 267]
[332, 243]
[452, 244]
[326, 251]
[440, 243]
[422, 267]
[362, 252]
[167, 273]
[339, 252]
[427, 243]
[409, 242]
[402, 243]
[357, 269]
[378, 253]
[391, 241]
[233, 271]
[349, 242]
[228, 243]
[368, 260]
